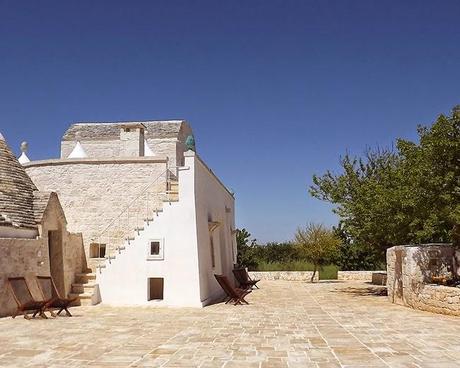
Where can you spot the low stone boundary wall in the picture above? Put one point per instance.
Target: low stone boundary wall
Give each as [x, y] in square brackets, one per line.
[306, 275]
[356, 275]
[437, 299]
[283, 275]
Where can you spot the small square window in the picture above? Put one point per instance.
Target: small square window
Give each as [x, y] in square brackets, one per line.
[155, 249]
[96, 250]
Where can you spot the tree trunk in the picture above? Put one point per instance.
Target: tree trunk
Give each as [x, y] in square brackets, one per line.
[314, 272]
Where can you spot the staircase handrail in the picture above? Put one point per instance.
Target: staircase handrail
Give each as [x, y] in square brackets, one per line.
[130, 204]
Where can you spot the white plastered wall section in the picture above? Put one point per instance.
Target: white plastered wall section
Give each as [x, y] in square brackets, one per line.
[125, 280]
[213, 203]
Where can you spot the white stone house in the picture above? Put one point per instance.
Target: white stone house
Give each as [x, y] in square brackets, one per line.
[157, 223]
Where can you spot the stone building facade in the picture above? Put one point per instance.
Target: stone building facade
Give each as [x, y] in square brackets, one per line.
[156, 222]
[129, 139]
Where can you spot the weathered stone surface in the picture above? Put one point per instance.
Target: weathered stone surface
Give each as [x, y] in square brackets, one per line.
[287, 324]
[93, 194]
[356, 275]
[306, 275]
[410, 270]
[283, 275]
[16, 191]
[100, 131]
[99, 140]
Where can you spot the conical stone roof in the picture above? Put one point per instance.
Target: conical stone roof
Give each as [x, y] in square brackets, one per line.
[16, 190]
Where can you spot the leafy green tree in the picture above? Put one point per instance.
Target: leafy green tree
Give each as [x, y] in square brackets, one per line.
[355, 257]
[247, 249]
[317, 244]
[407, 195]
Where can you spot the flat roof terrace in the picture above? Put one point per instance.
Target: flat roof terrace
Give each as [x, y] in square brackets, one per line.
[287, 324]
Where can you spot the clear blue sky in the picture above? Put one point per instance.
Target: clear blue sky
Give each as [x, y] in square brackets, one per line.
[274, 90]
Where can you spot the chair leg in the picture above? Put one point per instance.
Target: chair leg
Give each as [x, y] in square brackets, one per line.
[43, 315]
[67, 312]
[60, 310]
[241, 300]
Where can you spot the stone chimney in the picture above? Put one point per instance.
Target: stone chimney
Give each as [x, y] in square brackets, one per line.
[132, 140]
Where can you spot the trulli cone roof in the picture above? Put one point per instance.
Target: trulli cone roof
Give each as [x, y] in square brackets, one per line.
[78, 151]
[16, 190]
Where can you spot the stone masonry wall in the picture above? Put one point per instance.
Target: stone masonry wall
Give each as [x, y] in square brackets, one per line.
[410, 269]
[306, 275]
[283, 275]
[94, 192]
[94, 149]
[356, 275]
[21, 257]
[73, 252]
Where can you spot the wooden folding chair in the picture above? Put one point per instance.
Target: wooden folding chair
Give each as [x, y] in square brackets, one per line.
[234, 295]
[24, 299]
[50, 292]
[244, 279]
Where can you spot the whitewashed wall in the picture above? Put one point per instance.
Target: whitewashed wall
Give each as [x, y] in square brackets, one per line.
[213, 203]
[183, 226]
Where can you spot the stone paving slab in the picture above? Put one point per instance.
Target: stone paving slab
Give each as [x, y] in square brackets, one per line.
[287, 324]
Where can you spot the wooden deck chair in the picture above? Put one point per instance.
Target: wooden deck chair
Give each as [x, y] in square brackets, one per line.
[234, 295]
[50, 293]
[24, 299]
[244, 279]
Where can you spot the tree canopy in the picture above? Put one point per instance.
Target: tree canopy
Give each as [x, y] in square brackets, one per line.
[317, 244]
[410, 194]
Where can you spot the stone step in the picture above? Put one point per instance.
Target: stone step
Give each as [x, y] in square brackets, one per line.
[78, 288]
[171, 199]
[84, 278]
[83, 298]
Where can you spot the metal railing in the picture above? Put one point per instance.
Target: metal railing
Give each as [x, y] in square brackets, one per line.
[130, 221]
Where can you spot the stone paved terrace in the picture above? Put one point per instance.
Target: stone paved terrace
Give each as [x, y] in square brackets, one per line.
[288, 324]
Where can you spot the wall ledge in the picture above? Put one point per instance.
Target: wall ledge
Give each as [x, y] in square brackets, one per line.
[97, 161]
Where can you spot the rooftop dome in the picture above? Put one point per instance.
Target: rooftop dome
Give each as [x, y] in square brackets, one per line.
[16, 190]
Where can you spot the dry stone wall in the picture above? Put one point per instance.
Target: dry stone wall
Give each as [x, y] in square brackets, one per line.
[94, 192]
[410, 270]
[283, 275]
[355, 275]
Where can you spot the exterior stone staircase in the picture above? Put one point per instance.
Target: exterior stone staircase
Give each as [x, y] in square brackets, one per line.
[85, 286]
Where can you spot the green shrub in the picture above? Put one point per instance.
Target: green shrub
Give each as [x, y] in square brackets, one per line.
[328, 272]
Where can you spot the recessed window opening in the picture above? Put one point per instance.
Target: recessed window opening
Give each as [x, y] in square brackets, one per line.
[155, 288]
[96, 250]
[213, 256]
[155, 249]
